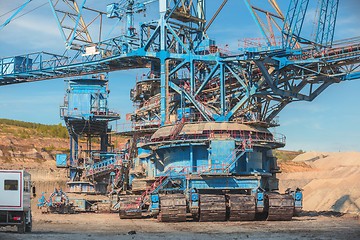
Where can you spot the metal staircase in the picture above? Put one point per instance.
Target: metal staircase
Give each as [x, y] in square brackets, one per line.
[101, 167]
[177, 128]
[154, 188]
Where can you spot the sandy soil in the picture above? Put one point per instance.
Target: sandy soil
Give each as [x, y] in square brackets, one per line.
[109, 226]
[330, 183]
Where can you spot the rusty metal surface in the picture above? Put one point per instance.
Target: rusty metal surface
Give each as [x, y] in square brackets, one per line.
[212, 208]
[280, 207]
[172, 208]
[130, 207]
[241, 207]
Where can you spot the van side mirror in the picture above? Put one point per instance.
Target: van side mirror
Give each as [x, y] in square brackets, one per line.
[33, 190]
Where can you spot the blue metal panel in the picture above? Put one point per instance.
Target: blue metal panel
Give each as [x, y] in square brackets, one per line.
[22, 64]
[143, 153]
[223, 183]
[79, 105]
[155, 206]
[175, 157]
[182, 158]
[298, 197]
[222, 152]
[200, 156]
[61, 160]
[184, 113]
[260, 200]
[255, 161]
[81, 204]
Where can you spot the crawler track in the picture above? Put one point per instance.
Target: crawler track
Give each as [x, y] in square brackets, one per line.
[172, 208]
[241, 207]
[280, 207]
[130, 207]
[212, 208]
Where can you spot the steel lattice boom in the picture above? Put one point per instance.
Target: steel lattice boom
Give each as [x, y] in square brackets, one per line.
[200, 141]
[261, 82]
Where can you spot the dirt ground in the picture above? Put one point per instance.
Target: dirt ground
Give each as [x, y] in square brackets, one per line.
[322, 176]
[109, 226]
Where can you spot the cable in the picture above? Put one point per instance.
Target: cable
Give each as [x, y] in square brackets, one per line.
[10, 11]
[31, 10]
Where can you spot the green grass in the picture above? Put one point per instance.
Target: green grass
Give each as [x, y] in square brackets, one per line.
[29, 129]
[283, 155]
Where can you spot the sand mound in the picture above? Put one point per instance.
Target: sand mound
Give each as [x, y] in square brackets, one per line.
[333, 183]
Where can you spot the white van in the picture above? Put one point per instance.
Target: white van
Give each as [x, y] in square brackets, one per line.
[15, 194]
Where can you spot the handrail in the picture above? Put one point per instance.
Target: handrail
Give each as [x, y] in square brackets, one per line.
[236, 135]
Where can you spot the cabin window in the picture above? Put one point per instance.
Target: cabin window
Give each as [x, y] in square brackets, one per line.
[11, 185]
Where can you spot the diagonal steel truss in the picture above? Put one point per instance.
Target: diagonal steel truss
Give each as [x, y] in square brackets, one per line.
[191, 71]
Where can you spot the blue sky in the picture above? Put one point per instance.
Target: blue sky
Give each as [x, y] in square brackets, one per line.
[330, 123]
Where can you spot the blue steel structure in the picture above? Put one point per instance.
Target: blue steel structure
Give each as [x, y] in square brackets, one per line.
[200, 140]
[327, 21]
[87, 116]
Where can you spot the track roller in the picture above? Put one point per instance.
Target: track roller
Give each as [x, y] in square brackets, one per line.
[212, 208]
[130, 207]
[241, 207]
[172, 208]
[280, 207]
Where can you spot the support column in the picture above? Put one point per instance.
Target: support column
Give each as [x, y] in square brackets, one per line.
[164, 91]
[76, 147]
[71, 157]
[104, 142]
[192, 77]
[201, 12]
[192, 162]
[163, 70]
[222, 91]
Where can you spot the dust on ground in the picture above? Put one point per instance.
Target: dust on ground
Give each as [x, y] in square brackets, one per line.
[109, 226]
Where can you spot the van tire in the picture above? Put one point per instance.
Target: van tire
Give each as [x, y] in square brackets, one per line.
[28, 226]
[21, 227]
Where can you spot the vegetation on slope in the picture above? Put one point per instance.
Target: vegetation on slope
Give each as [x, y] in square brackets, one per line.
[284, 155]
[28, 129]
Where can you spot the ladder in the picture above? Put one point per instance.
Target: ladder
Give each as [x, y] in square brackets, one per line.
[158, 184]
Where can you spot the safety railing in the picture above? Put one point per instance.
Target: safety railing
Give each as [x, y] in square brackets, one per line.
[109, 163]
[49, 64]
[31, 62]
[136, 126]
[96, 112]
[178, 171]
[253, 137]
[336, 52]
